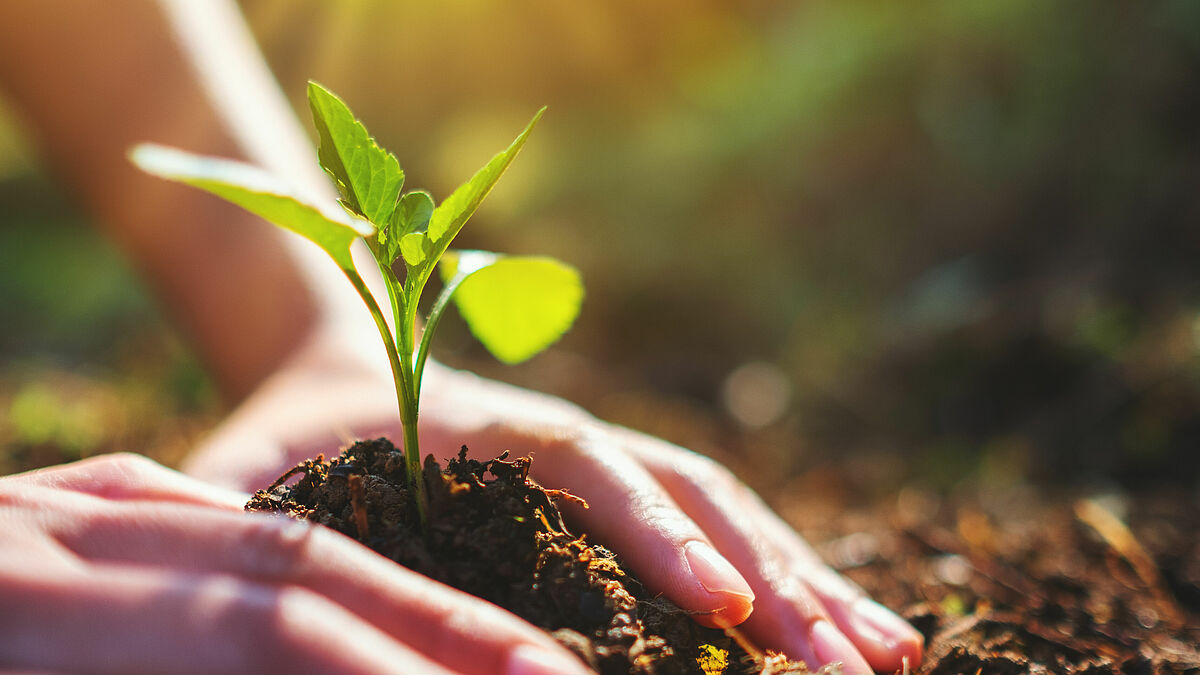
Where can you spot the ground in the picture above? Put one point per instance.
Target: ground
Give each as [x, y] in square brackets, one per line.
[1021, 581]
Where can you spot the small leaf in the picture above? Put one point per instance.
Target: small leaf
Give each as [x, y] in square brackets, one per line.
[515, 305]
[449, 216]
[256, 191]
[414, 246]
[368, 177]
[411, 215]
[414, 212]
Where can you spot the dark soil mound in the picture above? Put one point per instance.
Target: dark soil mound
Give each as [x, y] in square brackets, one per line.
[495, 533]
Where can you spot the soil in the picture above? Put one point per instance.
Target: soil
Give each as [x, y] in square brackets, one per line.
[1026, 580]
[495, 533]
[999, 582]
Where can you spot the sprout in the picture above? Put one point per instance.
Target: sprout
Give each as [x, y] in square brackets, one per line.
[515, 305]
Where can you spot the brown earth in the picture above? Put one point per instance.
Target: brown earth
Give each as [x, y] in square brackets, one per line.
[1017, 582]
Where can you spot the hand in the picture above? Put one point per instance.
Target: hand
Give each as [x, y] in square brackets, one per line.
[116, 564]
[683, 523]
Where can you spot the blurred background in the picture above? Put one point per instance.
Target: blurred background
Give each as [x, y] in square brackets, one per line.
[951, 245]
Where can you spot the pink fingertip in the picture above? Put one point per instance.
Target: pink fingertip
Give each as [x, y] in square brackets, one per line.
[830, 646]
[719, 577]
[892, 638]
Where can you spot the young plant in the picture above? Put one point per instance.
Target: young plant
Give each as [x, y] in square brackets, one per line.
[515, 305]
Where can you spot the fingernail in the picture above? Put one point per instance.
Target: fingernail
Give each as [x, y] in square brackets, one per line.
[530, 660]
[831, 646]
[874, 621]
[714, 572]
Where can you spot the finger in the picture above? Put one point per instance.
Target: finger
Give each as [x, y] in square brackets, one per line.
[122, 620]
[885, 639]
[787, 615]
[126, 475]
[804, 607]
[440, 622]
[631, 514]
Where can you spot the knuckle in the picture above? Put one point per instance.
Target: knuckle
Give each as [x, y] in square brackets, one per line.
[830, 586]
[125, 458]
[452, 630]
[450, 622]
[666, 518]
[800, 599]
[708, 473]
[658, 508]
[127, 463]
[120, 470]
[294, 611]
[272, 626]
[13, 494]
[276, 547]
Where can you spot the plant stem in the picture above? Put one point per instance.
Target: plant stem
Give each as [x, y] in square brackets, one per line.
[411, 407]
[402, 376]
[431, 324]
[391, 284]
[404, 319]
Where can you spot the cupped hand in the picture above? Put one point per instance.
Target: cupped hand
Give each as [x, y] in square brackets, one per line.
[682, 522]
[117, 564]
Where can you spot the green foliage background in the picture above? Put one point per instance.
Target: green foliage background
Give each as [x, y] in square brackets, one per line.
[947, 240]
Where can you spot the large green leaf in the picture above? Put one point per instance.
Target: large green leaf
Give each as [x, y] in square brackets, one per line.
[449, 216]
[256, 191]
[515, 305]
[368, 177]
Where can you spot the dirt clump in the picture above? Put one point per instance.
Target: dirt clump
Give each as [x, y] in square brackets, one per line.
[495, 533]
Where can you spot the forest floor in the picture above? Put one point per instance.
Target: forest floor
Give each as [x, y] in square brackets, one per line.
[1022, 581]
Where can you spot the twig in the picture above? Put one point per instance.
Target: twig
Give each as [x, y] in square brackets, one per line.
[358, 502]
[1120, 539]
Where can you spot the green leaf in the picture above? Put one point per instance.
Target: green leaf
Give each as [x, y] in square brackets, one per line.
[413, 213]
[515, 305]
[414, 246]
[256, 191]
[449, 216]
[411, 216]
[368, 177]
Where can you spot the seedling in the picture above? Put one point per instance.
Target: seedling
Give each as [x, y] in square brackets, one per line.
[515, 305]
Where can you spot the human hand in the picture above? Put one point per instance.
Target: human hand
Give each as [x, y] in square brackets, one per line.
[682, 522]
[685, 524]
[117, 564]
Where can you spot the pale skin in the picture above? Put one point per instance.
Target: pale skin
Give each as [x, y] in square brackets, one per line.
[120, 564]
